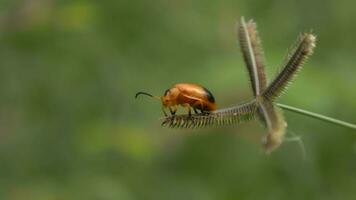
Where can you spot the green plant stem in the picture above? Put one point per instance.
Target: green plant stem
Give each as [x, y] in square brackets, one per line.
[318, 116]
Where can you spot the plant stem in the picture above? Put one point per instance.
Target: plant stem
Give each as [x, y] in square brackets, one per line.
[318, 116]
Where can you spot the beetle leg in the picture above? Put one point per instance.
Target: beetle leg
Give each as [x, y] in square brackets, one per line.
[195, 110]
[189, 111]
[198, 105]
[164, 112]
[173, 111]
[175, 108]
[204, 112]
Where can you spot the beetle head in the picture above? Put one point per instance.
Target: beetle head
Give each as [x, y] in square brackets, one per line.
[169, 97]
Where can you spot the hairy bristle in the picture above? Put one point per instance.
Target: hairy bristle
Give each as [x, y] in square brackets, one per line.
[294, 61]
[251, 48]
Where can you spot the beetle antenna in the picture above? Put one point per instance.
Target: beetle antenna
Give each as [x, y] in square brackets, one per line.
[145, 93]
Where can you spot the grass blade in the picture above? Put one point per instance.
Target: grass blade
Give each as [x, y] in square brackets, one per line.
[318, 116]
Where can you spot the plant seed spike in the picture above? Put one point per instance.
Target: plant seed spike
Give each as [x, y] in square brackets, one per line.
[233, 115]
[252, 52]
[294, 62]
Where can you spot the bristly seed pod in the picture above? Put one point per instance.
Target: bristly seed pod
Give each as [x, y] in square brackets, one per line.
[292, 65]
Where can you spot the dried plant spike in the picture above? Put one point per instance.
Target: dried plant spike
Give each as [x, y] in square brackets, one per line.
[274, 121]
[252, 51]
[228, 116]
[295, 59]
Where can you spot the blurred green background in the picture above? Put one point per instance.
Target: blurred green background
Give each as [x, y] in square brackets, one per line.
[70, 127]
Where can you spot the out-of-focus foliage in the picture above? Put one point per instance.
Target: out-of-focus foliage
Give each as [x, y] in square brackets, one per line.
[70, 127]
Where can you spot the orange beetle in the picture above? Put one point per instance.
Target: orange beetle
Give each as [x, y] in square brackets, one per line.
[187, 95]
